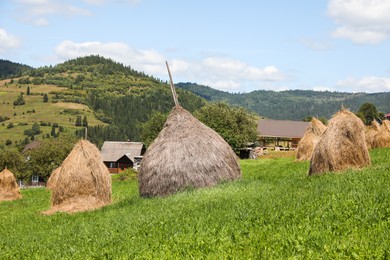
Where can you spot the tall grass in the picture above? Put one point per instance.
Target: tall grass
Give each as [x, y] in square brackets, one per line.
[274, 211]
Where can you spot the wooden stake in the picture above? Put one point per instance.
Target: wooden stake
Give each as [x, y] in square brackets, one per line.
[172, 86]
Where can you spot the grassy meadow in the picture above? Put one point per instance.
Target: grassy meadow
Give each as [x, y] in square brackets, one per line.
[274, 211]
[23, 118]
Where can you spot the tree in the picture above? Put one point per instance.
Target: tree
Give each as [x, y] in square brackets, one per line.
[150, 129]
[78, 121]
[36, 129]
[53, 131]
[19, 100]
[28, 93]
[45, 98]
[367, 112]
[85, 121]
[8, 142]
[11, 158]
[236, 125]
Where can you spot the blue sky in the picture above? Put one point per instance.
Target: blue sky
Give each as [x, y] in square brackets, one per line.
[236, 46]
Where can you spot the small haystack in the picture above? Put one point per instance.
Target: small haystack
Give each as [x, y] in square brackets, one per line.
[186, 154]
[51, 182]
[371, 132]
[382, 138]
[341, 146]
[83, 181]
[9, 189]
[312, 135]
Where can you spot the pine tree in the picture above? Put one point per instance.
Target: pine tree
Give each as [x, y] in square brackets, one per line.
[28, 91]
[85, 122]
[45, 98]
[78, 121]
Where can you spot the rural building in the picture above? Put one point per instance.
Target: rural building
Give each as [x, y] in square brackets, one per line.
[118, 156]
[387, 116]
[281, 134]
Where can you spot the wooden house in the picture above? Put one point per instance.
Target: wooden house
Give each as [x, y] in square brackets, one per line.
[281, 134]
[118, 156]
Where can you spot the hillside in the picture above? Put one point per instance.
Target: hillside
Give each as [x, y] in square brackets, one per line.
[292, 104]
[114, 98]
[9, 69]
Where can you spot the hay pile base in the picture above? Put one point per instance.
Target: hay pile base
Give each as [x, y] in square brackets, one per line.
[186, 154]
[82, 182]
[382, 138]
[9, 189]
[342, 145]
[311, 137]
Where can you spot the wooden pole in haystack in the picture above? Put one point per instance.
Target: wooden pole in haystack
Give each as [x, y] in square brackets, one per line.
[172, 86]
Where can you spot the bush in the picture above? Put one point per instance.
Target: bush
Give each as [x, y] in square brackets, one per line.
[129, 173]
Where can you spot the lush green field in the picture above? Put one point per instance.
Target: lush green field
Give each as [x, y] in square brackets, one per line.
[274, 211]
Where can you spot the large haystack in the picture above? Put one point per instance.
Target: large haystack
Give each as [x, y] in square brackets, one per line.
[371, 132]
[51, 182]
[83, 181]
[186, 154]
[9, 189]
[312, 135]
[341, 146]
[382, 138]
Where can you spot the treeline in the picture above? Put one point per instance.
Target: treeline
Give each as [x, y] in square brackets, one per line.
[292, 104]
[10, 69]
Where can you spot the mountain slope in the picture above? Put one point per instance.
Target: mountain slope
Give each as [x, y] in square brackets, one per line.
[9, 68]
[292, 104]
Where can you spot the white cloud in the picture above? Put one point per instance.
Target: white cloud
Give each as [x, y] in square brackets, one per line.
[365, 84]
[37, 11]
[362, 21]
[8, 41]
[216, 72]
[314, 45]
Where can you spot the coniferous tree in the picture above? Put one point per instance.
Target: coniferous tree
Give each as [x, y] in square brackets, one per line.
[85, 121]
[78, 121]
[28, 91]
[45, 98]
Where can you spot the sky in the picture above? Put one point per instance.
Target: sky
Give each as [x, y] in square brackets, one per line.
[230, 45]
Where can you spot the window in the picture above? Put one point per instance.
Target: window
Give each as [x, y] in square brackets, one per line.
[35, 178]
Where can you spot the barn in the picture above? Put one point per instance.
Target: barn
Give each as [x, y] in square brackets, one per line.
[118, 156]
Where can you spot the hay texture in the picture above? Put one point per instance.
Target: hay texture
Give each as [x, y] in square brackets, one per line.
[186, 154]
[371, 132]
[311, 137]
[9, 189]
[51, 182]
[382, 138]
[82, 181]
[342, 145]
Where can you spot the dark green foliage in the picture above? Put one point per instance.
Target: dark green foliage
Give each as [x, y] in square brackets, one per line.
[8, 142]
[234, 124]
[19, 100]
[78, 121]
[28, 92]
[11, 69]
[35, 130]
[85, 121]
[10, 125]
[151, 128]
[367, 112]
[292, 104]
[11, 158]
[45, 98]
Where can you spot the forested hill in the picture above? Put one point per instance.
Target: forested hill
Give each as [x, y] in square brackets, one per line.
[292, 104]
[8, 69]
[118, 95]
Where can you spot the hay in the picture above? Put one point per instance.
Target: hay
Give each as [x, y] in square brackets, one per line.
[83, 181]
[371, 132]
[382, 138]
[186, 154]
[311, 137]
[342, 145]
[51, 182]
[9, 189]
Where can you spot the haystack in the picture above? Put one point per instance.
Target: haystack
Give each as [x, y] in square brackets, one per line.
[311, 137]
[51, 182]
[83, 181]
[9, 189]
[382, 138]
[371, 132]
[186, 154]
[342, 145]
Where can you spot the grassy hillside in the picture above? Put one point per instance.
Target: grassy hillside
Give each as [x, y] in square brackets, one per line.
[274, 212]
[35, 110]
[293, 104]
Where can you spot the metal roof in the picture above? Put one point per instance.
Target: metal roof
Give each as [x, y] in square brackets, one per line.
[113, 151]
[281, 128]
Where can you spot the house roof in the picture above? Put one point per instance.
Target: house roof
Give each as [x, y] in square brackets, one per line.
[31, 146]
[113, 151]
[281, 128]
[387, 115]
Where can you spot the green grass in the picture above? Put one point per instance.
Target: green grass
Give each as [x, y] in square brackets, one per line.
[274, 211]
